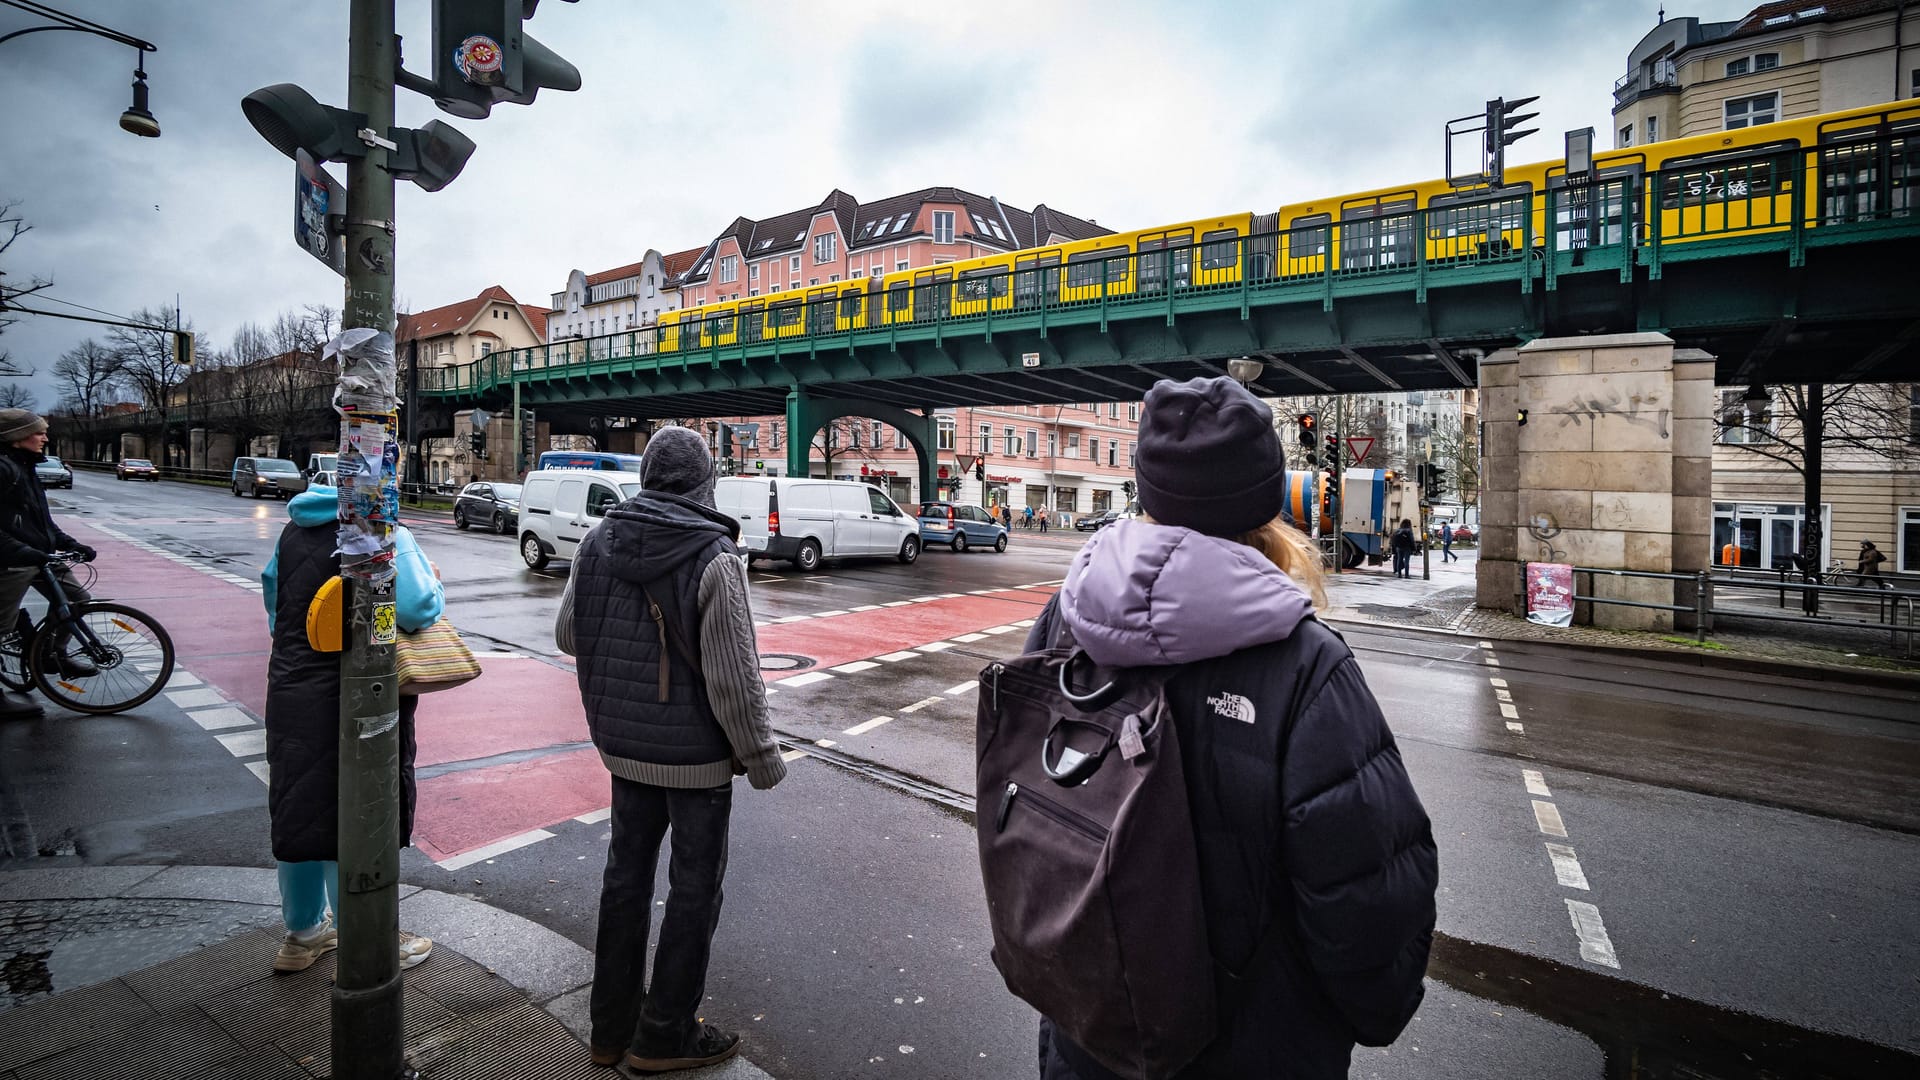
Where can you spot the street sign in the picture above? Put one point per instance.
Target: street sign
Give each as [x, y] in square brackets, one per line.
[1359, 446]
[1031, 359]
[966, 462]
[316, 197]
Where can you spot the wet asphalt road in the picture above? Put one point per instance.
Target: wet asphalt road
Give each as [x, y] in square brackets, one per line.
[1747, 842]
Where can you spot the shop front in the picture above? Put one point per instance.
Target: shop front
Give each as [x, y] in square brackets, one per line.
[1765, 536]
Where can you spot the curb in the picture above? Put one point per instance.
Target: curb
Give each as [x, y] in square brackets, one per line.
[554, 973]
[1853, 677]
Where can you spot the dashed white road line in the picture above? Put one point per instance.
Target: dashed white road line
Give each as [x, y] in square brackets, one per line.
[1517, 729]
[969, 638]
[807, 679]
[1566, 867]
[1498, 684]
[896, 657]
[498, 847]
[934, 646]
[855, 668]
[195, 698]
[922, 703]
[1536, 783]
[956, 691]
[1595, 946]
[221, 719]
[595, 817]
[244, 744]
[1547, 817]
[867, 725]
[1507, 710]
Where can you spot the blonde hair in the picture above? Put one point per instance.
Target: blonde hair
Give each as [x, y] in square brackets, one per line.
[1289, 549]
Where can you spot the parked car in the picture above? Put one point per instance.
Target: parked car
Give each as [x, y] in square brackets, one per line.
[135, 468]
[490, 506]
[259, 477]
[320, 468]
[1101, 520]
[54, 473]
[559, 506]
[806, 520]
[960, 526]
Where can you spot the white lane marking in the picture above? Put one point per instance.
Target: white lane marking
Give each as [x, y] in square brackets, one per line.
[771, 690]
[896, 603]
[595, 817]
[1536, 783]
[1516, 728]
[950, 596]
[1498, 684]
[1566, 867]
[825, 744]
[969, 637]
[935, 646]
[979, 592]
[1507, 710]
[807, 679]
[923, 703]
[1547, 817]
[896, 657]
[194, 699]
[1595, 946]
[829, 614]
[1486, 644]
[1503, 695]
[794, 618]
[868, 725]
[923, 599]
[498, 847]
[498, 654]
[1024, 624]
[1491, 661]
[999, 629]
[768, 579]
[183, 678]
[793, 755]
[856, 667]
[221, 719]
[758, 625]
[259, 769]
[956, 691]
[245, 743]
[865, 607]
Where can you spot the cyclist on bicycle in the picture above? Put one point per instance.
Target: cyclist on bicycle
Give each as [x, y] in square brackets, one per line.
[29, 537]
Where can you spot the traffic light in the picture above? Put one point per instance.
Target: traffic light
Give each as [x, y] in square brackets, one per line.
[1309, 440]
[1127, 488]
[183, 348]
[1521, 418]
[482, 58]
[290, 119]
[1432, 481]
[980, 471]
[477, 442]
[1333, 452]
[1502, 120]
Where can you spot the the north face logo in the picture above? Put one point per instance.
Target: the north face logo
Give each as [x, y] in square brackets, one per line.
[1233, 707]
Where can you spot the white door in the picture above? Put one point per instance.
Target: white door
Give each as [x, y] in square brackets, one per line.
[807, 510]
[890, 526]
[853, 519]
[569, 517]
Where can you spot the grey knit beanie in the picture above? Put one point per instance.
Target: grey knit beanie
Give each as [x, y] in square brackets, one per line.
[17, 424]
[678, 463]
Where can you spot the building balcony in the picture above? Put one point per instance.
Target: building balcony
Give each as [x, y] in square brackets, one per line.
[1661, 77]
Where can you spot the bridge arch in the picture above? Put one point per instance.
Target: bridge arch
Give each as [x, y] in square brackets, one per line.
[808, 415]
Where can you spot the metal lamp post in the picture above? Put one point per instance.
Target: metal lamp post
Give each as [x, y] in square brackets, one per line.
[138, 119]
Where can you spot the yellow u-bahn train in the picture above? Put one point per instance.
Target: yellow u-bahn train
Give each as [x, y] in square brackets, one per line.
[1851, 165]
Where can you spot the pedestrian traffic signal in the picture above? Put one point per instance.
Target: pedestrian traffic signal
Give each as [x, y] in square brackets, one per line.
[481, 57]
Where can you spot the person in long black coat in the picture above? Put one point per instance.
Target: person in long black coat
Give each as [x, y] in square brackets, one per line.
[303, 722]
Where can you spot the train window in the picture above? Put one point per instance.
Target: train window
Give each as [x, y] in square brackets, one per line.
[784, 315]
[850, 306]
[1219, 249]
[1861, 181]
[1309, 234]
[722, 324]
[899, 298]
[1505, 212]
[982, 284]
[1027, 280]
[1726, 181]
[1094, 267]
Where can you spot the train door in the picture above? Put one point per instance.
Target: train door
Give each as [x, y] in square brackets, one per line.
[1377, 235]
[1308, 237]
[784, 319]
[1166, 259]
[853, 301]
[1035, 280]
[822, 305]
[932, 295]
[753, 321]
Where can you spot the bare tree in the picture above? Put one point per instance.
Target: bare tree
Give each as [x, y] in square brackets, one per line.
[88, 376]
[12, 227]
[15, 395]
[1456, 448]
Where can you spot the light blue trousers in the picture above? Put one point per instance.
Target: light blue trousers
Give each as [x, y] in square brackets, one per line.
[307, 890]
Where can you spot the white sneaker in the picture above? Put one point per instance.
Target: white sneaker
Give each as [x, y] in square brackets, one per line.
[413, 949]
[299, 951]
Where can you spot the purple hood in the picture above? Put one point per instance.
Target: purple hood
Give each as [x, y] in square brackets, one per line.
[1142, 595]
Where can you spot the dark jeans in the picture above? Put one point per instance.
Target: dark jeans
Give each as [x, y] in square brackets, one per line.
[1446, 552]
[627, 1012]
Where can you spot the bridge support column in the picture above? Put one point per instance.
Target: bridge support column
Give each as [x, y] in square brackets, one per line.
[213, 450]
[807, 415]
[1612, 469]
[132, 445]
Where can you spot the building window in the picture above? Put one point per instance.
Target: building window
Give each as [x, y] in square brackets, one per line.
[1653, 129]
[753, 272]
[729, 268]
[1113, 453]
[1033, 442]
[1133, 456]
[793, 265]
[899, 439]
[1738, 426]
[1766, 61]
[943, 226]
[1093, 449]
[774, 434]
[1752, 111]
[943, 433]
[1133, 410]
[1907, 558]
[853, 438]
[1011, 442]
[1113, 410]
[825, 247]
[1053, 444]
[986, 439]
[903, 265]
[1073, 444]
[1737, 68]
[1626, 136]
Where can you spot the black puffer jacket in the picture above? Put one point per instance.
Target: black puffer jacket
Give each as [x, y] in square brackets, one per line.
[27, 531]
[1302, 810]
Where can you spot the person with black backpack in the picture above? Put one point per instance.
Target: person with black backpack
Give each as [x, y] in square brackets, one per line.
[1313, 858]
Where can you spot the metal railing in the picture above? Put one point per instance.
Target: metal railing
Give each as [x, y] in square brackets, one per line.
[1895, 608]
[1782, 197]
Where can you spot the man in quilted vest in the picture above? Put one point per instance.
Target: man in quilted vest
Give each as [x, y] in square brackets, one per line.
[656, 611]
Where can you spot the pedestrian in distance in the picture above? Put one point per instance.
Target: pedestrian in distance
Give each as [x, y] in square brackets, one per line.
[28, 539]
[1316, 859]
[657, 612]
[1446, 543]
[1041, 516]
[1027, 518]
[303, 722]
[1869, 566]
[1402, 546]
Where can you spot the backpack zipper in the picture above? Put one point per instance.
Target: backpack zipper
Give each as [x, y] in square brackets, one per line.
[993, 679]
[1079, 823]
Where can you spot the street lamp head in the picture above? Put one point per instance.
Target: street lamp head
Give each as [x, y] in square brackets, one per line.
[1245, 370]
[138, 119]
[1756, 399]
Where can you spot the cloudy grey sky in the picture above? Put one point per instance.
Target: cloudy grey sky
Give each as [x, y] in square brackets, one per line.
[1131, 112]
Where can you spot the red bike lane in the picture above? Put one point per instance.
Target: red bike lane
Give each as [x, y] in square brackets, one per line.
[504, 755]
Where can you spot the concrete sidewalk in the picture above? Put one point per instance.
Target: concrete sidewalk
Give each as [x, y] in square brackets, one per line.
[154, 972]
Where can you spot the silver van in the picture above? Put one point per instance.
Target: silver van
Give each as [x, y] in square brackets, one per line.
[559, 506]
[805, 520]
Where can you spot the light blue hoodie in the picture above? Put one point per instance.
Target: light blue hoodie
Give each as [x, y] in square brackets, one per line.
[419, 597]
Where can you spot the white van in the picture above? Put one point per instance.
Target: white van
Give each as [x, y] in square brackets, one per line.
[558, 506]
[789, 517]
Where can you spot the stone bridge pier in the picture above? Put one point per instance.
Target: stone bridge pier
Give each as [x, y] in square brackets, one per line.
[1597, 451]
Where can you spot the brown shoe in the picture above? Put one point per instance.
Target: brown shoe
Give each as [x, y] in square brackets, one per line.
[709, 1046]
[604, 1057]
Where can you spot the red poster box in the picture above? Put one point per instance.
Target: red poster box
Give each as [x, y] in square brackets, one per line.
[1550, 594]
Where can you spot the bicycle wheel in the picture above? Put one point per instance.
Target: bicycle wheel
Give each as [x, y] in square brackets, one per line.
[13, 664]
[133, 655]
